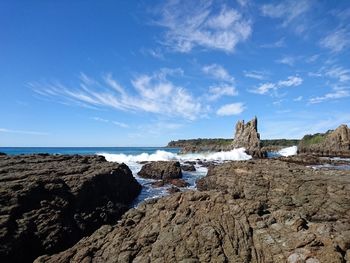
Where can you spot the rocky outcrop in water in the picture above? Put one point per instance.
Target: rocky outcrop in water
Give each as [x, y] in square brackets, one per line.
[247, 136]
[252, 211]
[47, 203]
[161, 170]
[331, 143]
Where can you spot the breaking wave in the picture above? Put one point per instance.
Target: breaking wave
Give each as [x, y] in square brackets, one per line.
[288, 151]
[160, 155]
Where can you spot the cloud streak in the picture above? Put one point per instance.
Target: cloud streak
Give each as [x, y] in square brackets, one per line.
[24, 132]
[152, 93]
[191, 24]
[265, 88]
[231, 109]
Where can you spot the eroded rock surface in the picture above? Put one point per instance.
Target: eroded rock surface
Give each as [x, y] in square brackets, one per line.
[161, 170]
[252, 211]
[332, 143]
[47, 203]
[247, 136]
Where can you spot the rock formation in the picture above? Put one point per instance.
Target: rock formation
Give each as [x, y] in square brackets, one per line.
[247, 136]
[252, 211]
[161, 170]
[332, 143]
[47, 203]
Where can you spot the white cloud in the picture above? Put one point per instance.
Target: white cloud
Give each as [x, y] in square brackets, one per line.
[338, 72]
[337, 40]
[254, 74]
[243, 3]
[120, 124]
[191, 23]
[23, 132]
[288, 10]
[291, 81]
[231, 109]
[218, 72]
[336, 94]
[216, 92]
[154, 94]
[287, 60]
[300, 98]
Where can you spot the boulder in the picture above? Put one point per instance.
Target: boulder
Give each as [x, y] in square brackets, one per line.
[188, 167]
[48, 203]
[161, 170]
[247, 136]
[331, 143]
[2, 154]
[251, 211]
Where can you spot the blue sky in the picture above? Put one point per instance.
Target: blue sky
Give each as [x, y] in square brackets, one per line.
[141, 73]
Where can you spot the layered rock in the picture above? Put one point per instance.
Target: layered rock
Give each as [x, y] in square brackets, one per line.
[332, 143]
[47, 203]
[252, 211]
[161, 170]
[247, 136]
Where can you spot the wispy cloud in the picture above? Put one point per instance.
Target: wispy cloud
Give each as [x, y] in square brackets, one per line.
[265, 88]
[288, 11]
[216, 92]
[218, 72]
[287, 60]
[336, 94]
[231, 109]
[154, 93]
[339, 73]
[254, 74]
[337, 40]
[192, 24]
[24, 132]
[120, 124]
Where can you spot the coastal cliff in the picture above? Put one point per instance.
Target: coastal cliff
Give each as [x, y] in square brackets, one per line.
[49, 202]
[331, 143]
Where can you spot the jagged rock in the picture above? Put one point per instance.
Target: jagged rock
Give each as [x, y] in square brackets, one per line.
[331, 143]
[188, 168]
[252, 211]
[47, 203]
[173, 190]
[247, 136]
[161, 170]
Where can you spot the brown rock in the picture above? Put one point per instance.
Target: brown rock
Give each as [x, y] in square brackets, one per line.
[178, 182]
[173, 190]
[47, 203]
[161, 170]
[332, 143]
[253, 211]
[247, 136]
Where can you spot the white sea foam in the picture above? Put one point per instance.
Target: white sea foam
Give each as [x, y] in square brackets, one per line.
[233, 155]
[288, 151]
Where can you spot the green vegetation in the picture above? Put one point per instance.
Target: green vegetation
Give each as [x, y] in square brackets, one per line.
[225, 142]
[314, 139]
[279, 142]
[199, 142]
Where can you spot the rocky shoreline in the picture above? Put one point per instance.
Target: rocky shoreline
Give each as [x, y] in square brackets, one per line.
[49, 202]
[250, 211]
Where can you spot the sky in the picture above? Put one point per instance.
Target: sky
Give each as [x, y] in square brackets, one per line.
[142, 73]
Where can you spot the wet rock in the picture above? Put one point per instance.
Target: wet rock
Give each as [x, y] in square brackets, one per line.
[47, 203]
[161, 170]
[178, 182]
[173, 190]
[188, 168]
[2, 154]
